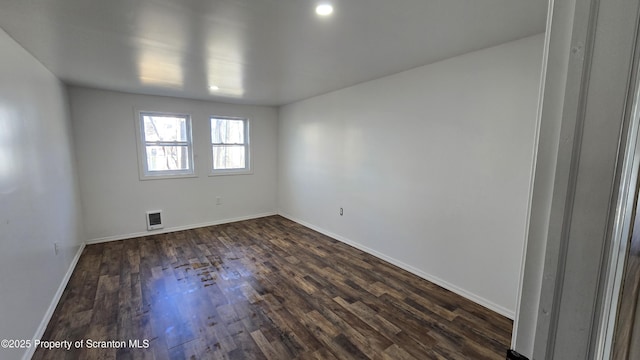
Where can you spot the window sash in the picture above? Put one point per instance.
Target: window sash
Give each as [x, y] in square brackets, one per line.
[156, 125]
[167, 143]
[245, 168]
[228, 144]
[180, 161]
[146, 168]
[229, 147]
[244, 130]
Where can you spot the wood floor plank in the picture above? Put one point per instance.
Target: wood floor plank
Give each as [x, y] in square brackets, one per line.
[394, 352]
[369, 316]
[262, 289]
[265, 346]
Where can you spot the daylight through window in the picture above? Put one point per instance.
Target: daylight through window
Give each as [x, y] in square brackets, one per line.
[230, 145]
[167, 145]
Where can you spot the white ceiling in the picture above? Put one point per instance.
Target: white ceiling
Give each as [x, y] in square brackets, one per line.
[269, 52]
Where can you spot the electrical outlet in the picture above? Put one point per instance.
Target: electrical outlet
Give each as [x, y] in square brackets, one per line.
[56, 248]
[341, 212]
[218, 200]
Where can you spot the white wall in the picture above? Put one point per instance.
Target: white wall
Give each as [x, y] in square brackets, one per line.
[38, 193]
[115, 200]
[432, 167]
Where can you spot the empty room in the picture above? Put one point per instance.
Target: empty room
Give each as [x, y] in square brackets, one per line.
[298, 179]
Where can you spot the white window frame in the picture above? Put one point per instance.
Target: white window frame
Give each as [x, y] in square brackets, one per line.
[143, 164]
[247, 148]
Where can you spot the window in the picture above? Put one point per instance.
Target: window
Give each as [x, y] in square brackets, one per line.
[166, 145]
[230, 145]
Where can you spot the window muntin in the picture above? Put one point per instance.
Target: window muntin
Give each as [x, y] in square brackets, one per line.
[167, 149]
[229, 145]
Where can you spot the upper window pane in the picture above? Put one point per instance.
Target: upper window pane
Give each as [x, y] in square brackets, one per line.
[163, 128]
[227, 131]
[165, 148]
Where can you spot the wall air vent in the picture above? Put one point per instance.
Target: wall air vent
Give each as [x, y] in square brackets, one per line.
[154, 220]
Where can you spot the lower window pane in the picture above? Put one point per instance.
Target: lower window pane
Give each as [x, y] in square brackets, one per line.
[228, 157]
[167, 158]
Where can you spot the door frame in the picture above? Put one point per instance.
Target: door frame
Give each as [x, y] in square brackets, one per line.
[587, 106]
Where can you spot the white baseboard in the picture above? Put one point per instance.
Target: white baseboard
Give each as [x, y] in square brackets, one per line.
[54, 303]
[434, 279]
[177, 228]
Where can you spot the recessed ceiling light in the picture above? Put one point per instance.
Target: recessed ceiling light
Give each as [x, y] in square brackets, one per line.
[324, 9]
[214, 88]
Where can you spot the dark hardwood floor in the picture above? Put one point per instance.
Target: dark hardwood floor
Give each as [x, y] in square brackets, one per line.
[262, 289]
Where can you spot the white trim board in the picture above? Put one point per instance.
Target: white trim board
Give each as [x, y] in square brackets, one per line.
[434, 279]
[54, 303]
[178, 228]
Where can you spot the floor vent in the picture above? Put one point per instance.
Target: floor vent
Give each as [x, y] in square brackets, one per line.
[154, 220]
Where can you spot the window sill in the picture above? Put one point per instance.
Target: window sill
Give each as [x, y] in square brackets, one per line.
[165, 177]
[231, 172]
